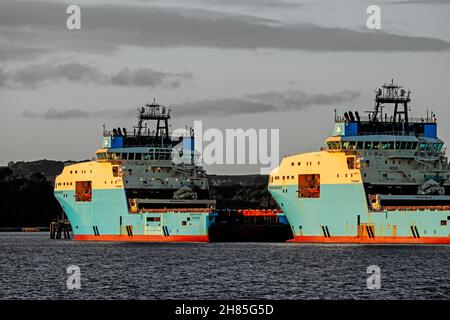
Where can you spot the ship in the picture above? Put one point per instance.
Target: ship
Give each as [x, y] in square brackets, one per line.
[379, 178]
[134, 190]
[147, 184]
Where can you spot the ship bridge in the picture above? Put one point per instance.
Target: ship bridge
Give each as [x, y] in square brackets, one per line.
[144, 134]
[380, 121]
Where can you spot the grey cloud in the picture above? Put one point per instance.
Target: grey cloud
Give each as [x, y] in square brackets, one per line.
[73, 114]
[223, 107]
[264, 102]
[427, 2]
[10, 51]
[105, 28]
[269, 4]
[149, 78]
[271, 101]
[35, 75]
[53, 114]
[297, 99]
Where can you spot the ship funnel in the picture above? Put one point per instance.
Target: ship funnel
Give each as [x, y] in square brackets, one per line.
[124, 132]
[115, 131]
[346, 116]
[352, 118]
[119, 131]
[357, 116]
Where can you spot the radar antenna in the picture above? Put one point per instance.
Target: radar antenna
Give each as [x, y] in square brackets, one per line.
[391, 94]
[156, 112]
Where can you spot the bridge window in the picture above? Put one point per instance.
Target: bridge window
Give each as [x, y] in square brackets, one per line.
[309, 185]
[83, 191]
[352, 145]
[138, 156]
[115, 156]
[403, 145]
[360, 145]
[124, 156]
[368, 145]
[397, 145]
[131, 156]
[336, 145]
[376, 145]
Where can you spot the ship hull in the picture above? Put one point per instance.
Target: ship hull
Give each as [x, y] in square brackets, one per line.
[340, 213]
[378, 240]
[142, 238]
[107, 218]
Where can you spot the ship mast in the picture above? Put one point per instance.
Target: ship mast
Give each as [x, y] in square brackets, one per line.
[391, 94]
[155, 112]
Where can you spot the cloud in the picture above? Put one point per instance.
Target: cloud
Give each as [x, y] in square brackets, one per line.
[53, 114]
[32, 76]
[149, 78]
[9, 51]
[266, 4]
[107, 27]
[426, 2]
[272, 101]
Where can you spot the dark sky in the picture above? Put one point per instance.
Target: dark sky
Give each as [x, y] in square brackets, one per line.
[232, 64]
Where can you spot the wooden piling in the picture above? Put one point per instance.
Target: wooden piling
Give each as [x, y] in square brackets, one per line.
[60, 227]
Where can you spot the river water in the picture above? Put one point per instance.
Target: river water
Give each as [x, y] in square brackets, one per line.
[34, 267]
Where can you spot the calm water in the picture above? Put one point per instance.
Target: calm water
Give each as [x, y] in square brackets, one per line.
[34, 267]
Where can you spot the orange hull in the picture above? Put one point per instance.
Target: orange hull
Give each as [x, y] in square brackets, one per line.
[143, 238]
[377, 240]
